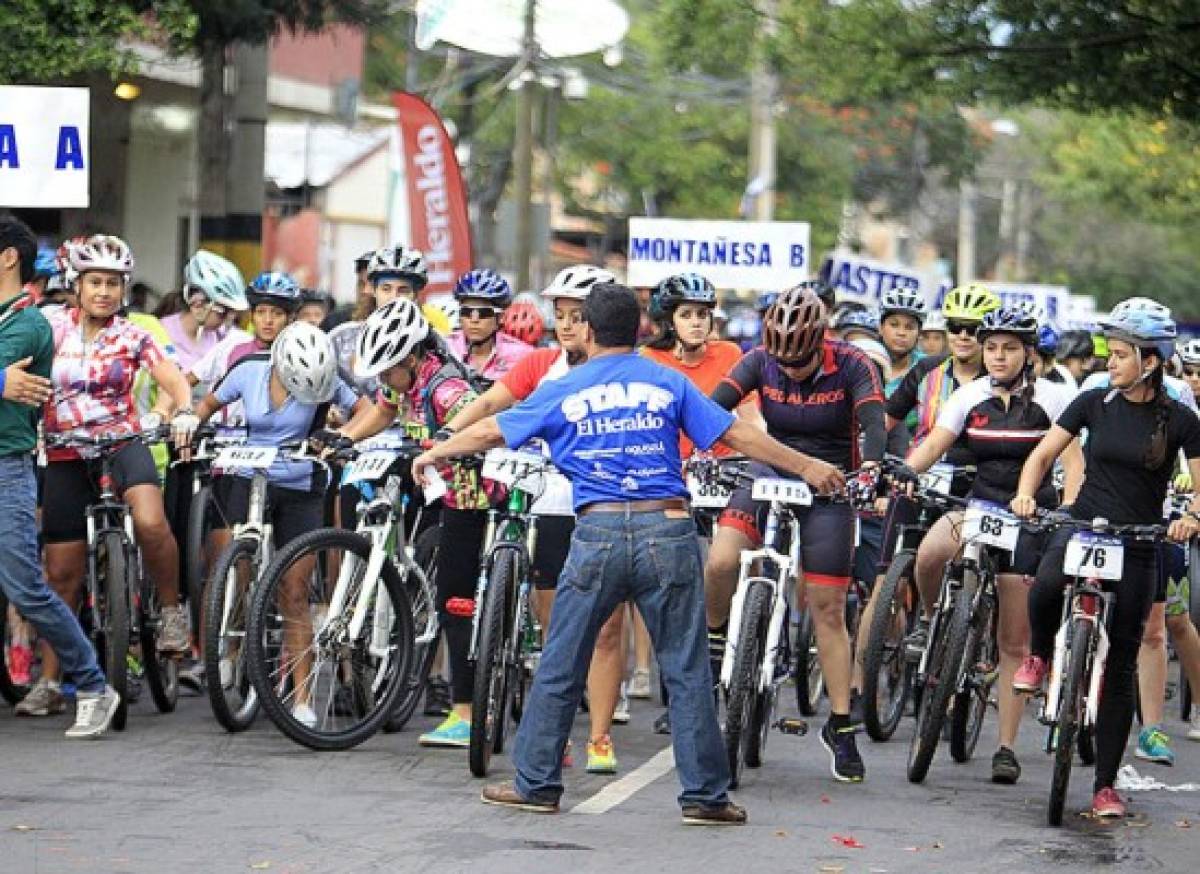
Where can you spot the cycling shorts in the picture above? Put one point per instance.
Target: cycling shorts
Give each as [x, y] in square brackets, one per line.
[72, 485]
[293, 511]
[826, 532]
[1173, 579]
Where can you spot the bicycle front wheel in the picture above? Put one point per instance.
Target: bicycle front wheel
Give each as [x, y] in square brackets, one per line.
[982, 660]
[887, 672]
[1070, 718]
[744, 684]
[426, 627]
[201, 510]
[162, 670]
[489, 699]
[113, 634]
[226, 607]
[327, 676]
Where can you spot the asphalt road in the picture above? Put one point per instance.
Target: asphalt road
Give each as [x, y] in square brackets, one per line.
[176, 793]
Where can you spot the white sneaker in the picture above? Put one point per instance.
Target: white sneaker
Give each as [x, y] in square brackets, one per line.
[621, 714]
[93, 713]
[305, 715]
[639, 684]
[1194, 731]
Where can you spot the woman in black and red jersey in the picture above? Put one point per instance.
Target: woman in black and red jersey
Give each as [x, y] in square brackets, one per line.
[816, 395]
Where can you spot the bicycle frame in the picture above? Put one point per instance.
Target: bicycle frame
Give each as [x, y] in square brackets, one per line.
[1086, 600]
[777, 517]
[256, 528]
[109, 514]
[513, 529]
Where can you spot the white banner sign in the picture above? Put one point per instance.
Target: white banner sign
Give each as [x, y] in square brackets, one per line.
[43, 146]
[731, 254]
[1053, 299]
[854, 277]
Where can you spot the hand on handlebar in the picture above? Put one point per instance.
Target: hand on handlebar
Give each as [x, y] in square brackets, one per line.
[1183, 529]
[1023, 507]
[825, 478]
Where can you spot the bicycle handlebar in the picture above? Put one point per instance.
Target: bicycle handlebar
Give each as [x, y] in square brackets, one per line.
[105, 442]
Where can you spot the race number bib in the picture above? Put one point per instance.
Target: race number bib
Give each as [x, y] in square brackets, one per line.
[785, 491]
[939, 478]
[370, 466]
[557, 498]
[507, 466]
[256, 457]
[1094, 556]
[991, 525]
[707, 496]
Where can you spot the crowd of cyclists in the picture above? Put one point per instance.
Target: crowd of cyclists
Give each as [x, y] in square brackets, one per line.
[1088, 424]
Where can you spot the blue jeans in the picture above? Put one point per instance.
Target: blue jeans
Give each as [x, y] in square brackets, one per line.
[655, 560]
[24, 585]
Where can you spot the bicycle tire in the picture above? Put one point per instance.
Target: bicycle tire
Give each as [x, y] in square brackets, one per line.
[489, 708]
[943, 678]
[114, 631]
[886, 657]
[11, 691]
[970, 705]
[1085, 745]
[810, 680]
[383, 683]
[162, 670]
[743, 686]
[424, 612]
[1070, 711]
[1194, 591]
[196, 574]
[239, 715]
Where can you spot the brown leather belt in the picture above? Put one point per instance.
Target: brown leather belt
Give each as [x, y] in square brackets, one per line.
[628, 507]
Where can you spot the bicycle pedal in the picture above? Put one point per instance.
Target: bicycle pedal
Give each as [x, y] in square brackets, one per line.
[792, 725]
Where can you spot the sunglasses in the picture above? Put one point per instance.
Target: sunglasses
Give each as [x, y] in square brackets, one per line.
[968, 328]
[478, 312]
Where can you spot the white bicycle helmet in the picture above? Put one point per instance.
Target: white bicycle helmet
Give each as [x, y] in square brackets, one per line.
[1034, 310]
[577, 282]
[303, 357]
[935, 321]
[903, 300]
[1189, 352]
[1140, 305]
[101, 252]
[404, 261]
[218, 278]
[390, 335]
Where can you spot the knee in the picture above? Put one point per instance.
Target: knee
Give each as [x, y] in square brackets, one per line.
[1155, 636]
[722, 564]
[609, 638]
[829, 610]
[151, 526]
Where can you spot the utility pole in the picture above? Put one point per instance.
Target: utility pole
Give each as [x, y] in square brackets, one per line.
[966, 231]
[523, 148]
[764, 86]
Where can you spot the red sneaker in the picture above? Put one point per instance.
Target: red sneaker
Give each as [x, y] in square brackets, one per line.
[1030, 675]
[1107, 803]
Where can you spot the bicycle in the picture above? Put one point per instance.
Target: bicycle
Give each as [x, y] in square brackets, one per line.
[758, 651]
[230, 587]
[503, 637]
[958, 666]
[121, 605]
[888, 669]
[1095, 555]
[347, 649]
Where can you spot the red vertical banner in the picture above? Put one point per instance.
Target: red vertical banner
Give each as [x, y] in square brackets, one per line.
[437, 198]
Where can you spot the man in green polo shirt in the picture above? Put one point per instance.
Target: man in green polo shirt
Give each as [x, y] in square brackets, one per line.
[26, 356]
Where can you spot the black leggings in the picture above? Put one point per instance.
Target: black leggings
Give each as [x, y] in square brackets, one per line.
[460, 543]
[1127, 618]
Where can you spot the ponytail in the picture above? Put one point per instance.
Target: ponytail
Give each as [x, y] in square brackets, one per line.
[1156, 451]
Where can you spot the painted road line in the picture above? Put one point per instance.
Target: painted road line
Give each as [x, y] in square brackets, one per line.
[636, 780]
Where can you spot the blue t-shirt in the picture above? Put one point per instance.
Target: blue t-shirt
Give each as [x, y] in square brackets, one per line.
[612, 426]
[249, 380]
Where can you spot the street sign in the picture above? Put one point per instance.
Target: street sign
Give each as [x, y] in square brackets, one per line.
[44, 157]
[731, 254]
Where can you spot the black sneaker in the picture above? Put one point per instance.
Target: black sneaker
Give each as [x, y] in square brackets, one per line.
[845, 763]
[662, 725]
[1005, 767]
[437, 697]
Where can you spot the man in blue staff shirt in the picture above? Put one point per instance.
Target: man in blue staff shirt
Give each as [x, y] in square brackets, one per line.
[613, 428]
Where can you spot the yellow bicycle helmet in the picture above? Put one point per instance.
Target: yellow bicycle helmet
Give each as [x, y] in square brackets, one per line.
[969, 303]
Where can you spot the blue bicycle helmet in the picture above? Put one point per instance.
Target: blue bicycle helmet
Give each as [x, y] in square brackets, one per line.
[46, 265]
[680, 289]
[1047, 340]
[274, 287]
[866, 320]
[1151, 328]
[765, 300]
[484, 285]
[1015, 321]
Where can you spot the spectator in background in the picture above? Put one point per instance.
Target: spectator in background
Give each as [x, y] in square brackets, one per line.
[170, 304]
[315, 307]
[139, 297]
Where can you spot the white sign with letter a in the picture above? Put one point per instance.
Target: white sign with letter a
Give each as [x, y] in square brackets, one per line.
[44, 158]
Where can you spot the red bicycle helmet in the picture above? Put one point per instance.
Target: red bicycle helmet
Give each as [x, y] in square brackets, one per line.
[523, 320]
[794, 326]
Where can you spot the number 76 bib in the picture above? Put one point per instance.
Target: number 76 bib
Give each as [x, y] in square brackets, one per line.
[1094, 556]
